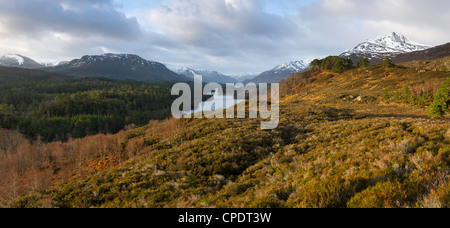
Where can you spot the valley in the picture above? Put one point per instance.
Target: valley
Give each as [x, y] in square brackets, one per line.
[343, 141]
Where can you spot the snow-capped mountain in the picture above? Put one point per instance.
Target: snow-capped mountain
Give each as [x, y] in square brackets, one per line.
[294, 66]
[117, 66]
[244, 76]
[53, 64]
[280, 72]
[207, 76]
[20, 61]
[386, 46]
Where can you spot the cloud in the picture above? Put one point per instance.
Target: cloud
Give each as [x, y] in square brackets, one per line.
[422, 20]
[219, 29]
[83, 18]
[259, 34]
[219, 23]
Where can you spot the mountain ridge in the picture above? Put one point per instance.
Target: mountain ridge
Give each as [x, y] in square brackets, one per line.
[280, 72]
[20, 61]
[117, 66]
[436, 52]
[385, 46]
[207, 75]
[129, 66]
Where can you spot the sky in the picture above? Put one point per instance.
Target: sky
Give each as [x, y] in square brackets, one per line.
[230, 36]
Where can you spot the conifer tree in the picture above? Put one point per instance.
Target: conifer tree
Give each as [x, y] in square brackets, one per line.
[364, 62]
[441, 101]
[387, 63]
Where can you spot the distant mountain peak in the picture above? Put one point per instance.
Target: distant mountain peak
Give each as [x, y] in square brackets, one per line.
[111, 56]
[16, 60]
[292, 66]
[280, 72]
[207, 75]
[398, 38]
[385, 46]
[117, 66]
[53, 64]
[245, 76]
[388, 44]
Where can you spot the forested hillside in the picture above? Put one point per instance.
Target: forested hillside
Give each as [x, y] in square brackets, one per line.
[61, 109]
[11, 74]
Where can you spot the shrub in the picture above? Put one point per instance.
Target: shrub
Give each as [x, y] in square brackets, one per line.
[364, 62]
[387, 63]
[441, 101]
[386, 95]
[382, 195]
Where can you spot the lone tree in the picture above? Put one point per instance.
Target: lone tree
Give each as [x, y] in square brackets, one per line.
[387, 63]
[441, 101]
[364, 62]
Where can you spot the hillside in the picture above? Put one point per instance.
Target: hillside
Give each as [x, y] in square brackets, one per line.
[368, 83]
[437, 52]
[360, 138]
[118, 66]
[45, 106]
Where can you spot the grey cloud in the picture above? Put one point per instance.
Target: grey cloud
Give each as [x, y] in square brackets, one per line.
[352, 20]
[76, 17]
[218, 26]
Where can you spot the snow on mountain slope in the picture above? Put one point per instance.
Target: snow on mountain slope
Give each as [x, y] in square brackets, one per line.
[176, 69]
[53, 64]
[125, 62]
[15, 60]
[294, 66]
[117, 66]
[207, 75]
[20, 61]
[386, 46]
[280, 72]
[244, 76]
